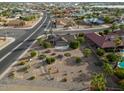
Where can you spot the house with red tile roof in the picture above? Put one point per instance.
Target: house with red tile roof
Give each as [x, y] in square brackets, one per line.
[105, 41]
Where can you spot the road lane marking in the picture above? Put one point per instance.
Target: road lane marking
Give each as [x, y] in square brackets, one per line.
[5, 56]
[23, 41]
[8, 69]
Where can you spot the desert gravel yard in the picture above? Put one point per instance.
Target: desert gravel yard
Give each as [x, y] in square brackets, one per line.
[65, 70]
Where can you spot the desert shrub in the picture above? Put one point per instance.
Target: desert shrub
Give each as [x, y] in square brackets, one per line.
[67, 54]
[39, 41]
[100, 52]
[101, 33]
[77, 59]
[81, 34]
[64, 80]
[31, 78]
[113, 57]
[87, 52]
[74, 44]
[22, 63]
[33, 53]
[50, 60]
[81, 39]
[46, 44]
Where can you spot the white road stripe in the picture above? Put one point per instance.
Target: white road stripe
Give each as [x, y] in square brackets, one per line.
[22, 42]
[5, 56]
[8, 69]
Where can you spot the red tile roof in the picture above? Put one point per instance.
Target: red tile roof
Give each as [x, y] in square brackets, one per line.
[105, 41]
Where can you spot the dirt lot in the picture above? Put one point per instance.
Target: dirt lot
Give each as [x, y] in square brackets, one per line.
[63, 70]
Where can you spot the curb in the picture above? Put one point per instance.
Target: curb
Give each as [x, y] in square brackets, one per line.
[9, 68]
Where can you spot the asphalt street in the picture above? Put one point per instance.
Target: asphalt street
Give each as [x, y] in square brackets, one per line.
[16, 33]
[10, 53]
[24, 39]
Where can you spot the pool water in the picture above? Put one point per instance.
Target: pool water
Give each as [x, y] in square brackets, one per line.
[121, 64]
[122, 50]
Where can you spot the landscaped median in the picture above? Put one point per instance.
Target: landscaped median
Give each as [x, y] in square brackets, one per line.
[5, 41]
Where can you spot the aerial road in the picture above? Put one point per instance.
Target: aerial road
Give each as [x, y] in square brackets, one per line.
[12, 52]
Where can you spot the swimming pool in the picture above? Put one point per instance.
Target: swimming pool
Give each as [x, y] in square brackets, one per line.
[121, 64]
[122, 50]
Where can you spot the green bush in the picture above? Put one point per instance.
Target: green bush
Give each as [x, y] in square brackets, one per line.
[40, 41]
[87, 52]
[67, 54]
[98, 82]
[113, 57]
[33, 53]
[107, 19]
[100, 52]
[105, 60]
[77, 59]
[101, 33]
[50, 60]
[81, 34]
[81, 39]
[46, 44]
[74, 44]
[108, 69]
[119, 72]
[107, 31]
